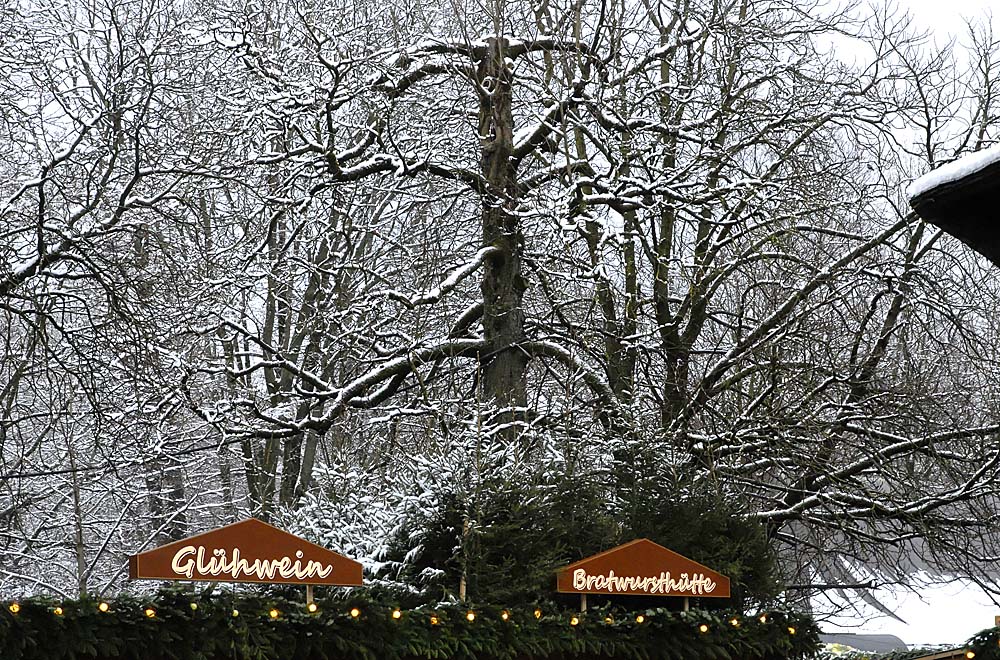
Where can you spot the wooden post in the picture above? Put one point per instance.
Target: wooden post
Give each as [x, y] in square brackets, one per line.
[309, 594]
[583, 602]
[462, 582]
[686, 607]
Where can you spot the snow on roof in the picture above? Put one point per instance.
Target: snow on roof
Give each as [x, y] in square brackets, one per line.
[865, 642]
[954, 171]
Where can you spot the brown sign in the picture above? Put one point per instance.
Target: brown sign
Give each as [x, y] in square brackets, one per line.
[642, 568]
[248, 551]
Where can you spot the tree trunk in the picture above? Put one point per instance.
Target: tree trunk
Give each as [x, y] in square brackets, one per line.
[503, 286]
[79, 547]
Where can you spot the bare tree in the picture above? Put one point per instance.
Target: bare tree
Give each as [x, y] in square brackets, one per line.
[665, 239]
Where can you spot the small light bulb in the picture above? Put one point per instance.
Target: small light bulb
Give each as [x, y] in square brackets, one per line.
[434, 621]
[574, 621]
[236, 613]
[735, 622]
[791, 630]
[763, 618]
[470, 615]
[14, 608]
[608, 620]
[58, 611]
[970, 654]
[640, 619]
[703, 628]
[194, 607]
[104, 607]
[355, 612]
[150, 612]
[538, 614]
[312, 607]
[274, 614]
[396, 614]
[505, 615]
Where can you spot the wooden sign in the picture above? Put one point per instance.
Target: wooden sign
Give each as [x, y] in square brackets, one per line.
[248, 551]
[642, 568]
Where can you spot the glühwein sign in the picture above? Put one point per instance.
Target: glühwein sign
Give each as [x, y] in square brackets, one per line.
[247, 551]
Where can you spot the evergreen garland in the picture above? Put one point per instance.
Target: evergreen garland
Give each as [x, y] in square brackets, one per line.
[985, 645]
[179, 626]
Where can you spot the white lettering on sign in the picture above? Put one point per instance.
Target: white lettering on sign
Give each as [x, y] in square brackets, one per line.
[190, 560]
[696, 584]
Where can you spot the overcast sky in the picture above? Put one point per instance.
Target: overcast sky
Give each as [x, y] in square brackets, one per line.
[943, 16]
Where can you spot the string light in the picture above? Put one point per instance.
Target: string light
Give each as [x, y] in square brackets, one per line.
[151, 613]
[970, 654]
[396, 614]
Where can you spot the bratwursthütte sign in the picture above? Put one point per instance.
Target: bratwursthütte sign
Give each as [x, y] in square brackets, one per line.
[642, 568]
[247, 551]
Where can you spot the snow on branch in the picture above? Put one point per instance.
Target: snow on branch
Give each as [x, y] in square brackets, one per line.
[898, 446]
[532, 136]
[771, 325]
[353, 394]
[446, 286]
[613, 416]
